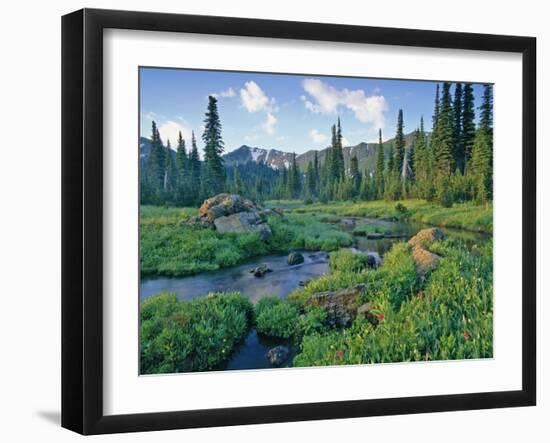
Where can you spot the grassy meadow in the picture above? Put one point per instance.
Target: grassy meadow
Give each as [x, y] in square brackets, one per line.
[467, 216]
[446, 314]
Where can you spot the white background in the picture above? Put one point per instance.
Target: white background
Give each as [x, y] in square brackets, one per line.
[30, 234]
[126, 393]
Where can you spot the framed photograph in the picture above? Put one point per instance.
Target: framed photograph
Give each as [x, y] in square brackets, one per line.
[269, 221]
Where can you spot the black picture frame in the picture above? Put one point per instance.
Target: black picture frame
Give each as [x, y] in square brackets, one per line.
[82, 218]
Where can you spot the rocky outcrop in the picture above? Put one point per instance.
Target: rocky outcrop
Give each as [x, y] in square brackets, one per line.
[425, 260]
[426, 236]
[226, 204]
[341, 305]
[232, 214]
[295, 258]
[278, 355]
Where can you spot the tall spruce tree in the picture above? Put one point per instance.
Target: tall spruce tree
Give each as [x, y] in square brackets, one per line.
[170, 172]
[481, 168]
[214, 171]
[295, 184]
[436, 109]
[355, 174]
[468, 124]
[238, 187]
[458, 150]
[316, 172]
[379, 168]
[399, 143]
[156, 164]
[182, 168]
[195, 168]
[486, 111]
[311, 181]
[443, 144]
[339, 156]
[390, 166]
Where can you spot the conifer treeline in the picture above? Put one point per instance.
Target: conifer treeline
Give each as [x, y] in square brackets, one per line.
[454, 163]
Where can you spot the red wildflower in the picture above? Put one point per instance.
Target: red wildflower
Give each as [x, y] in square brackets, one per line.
[419, 294]
[380, 316]
[339, 353]
[466, 335]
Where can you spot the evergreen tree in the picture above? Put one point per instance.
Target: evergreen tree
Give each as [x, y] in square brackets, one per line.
[237, 182]
[311, 181]
[316, 172]
[170, 172]
[468, 124]
[339, 155]
[294, 179]
[443, 143]
[436, 109]
[182, 168]
[458, 150]
[195, 168]
[214, 171]
[486, 111]
[355, 175]
[481, 169]
[333, 158]
[391, 161]
[399, 143]
[156, 164]
[379, 168]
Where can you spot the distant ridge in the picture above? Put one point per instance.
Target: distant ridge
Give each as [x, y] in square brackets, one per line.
[278, 159]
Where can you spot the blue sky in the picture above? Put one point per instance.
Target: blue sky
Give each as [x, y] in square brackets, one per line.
[292, 113]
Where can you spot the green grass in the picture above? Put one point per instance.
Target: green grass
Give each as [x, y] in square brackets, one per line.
[306, 231]
[195, 335]
[275, 317]
[168, 247]
[461, 215]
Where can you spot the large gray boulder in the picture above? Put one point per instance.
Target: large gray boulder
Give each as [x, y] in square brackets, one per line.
[243, 222]
[231, 214]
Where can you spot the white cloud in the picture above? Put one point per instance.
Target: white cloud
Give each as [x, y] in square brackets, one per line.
[269, 125]
[326, 99]
[317, 137]
[228, 93]
[254, 98]
[170, 129]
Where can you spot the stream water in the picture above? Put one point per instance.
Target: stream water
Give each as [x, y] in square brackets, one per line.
[281, 280]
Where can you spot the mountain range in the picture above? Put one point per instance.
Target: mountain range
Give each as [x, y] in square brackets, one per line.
[278, 159]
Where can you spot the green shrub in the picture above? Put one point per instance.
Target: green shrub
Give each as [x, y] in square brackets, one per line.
[276, 318]
[306, 232]
[194, 335]
[313, 321]
[345, 260]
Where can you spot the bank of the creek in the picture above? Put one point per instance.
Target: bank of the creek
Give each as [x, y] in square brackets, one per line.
[282, 279]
